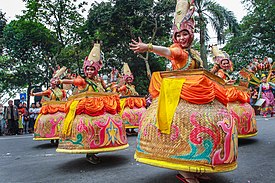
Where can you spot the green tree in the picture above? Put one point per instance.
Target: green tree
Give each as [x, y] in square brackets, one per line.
[219, 17]
[119, 21]
[63, 17]
[257, 34]
[28, 45]
[3, 23]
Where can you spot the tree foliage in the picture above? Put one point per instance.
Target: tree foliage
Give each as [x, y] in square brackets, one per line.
[119, 21]
[28, 46]
[257, 34]
[219, 17]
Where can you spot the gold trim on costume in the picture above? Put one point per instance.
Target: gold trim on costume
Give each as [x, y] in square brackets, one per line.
[248, 135]
[85, 151]
[187, 166]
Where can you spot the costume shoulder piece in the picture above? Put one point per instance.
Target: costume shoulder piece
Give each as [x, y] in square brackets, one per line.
[196, 56]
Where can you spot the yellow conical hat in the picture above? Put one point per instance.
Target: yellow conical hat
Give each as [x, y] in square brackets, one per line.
[94, 59]
[127, 72]
[94, 55]
[182, 8]
[126, 69]
[216, 52]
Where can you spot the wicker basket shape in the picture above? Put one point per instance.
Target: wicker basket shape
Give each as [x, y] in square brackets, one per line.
[48, 123]
[203, 136]
[132, 110]
[241, 111]
[92, 124]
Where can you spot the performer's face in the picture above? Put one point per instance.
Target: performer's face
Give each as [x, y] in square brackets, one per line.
[53, 83]
[264, 79]
[225, 63]
[129, 80]
[184, 38]
[90, 71]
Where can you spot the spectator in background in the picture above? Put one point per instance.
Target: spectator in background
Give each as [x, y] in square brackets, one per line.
[21, 112]
[26, 118]
[2, 121]
[12, 117]
[31, 118]
[36, 111]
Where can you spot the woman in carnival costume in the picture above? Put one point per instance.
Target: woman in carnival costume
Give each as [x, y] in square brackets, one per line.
[47, 124]
[265, 92]
[93, 123]
[132, 105]
[187, 127]
[238, 95]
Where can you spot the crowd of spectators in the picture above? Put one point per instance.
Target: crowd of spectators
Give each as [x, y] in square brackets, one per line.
[18, 120]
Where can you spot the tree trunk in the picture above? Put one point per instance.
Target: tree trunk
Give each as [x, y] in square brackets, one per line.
[202, 41]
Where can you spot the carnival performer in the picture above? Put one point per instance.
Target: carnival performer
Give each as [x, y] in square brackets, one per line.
[92, 124]
[222, 64]
[188, 114]
[265, 92]
[132, 105]
[115, 81]
[47, 124]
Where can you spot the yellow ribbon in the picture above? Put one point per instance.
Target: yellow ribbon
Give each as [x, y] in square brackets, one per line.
[168, 101]
[122, 105]
[67, 126]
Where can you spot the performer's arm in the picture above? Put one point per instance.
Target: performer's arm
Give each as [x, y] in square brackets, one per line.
[43, 93]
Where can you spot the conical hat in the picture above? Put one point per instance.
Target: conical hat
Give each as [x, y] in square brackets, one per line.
[94, 55]
[216, 52]
[94, 59]
[126, 69]
[183, 18]
[181, 10]
[127, 72]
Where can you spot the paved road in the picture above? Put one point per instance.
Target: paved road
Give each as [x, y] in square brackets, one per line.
[27, 161]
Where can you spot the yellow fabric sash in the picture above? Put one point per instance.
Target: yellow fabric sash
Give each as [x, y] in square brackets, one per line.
[168, 101]
[122, 105]
[67, 126]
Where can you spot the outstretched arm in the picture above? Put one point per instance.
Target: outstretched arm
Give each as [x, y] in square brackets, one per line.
[65, 81]
[43, 93]
[140, 47]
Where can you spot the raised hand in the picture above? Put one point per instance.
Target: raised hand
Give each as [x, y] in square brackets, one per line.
[138, 47]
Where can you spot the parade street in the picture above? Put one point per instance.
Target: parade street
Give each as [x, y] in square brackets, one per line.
[25, 160]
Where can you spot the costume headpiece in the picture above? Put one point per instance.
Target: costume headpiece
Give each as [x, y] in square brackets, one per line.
[94, 59]
[219, 56]
[183, 19]
[127, 72]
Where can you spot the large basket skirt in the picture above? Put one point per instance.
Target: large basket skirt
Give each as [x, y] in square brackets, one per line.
[203, 137]
[241, 111]
[132, 110]
[48, 123]
[92, 125]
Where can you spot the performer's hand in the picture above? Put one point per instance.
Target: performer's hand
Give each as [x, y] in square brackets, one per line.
[31, 92]
[138, 47]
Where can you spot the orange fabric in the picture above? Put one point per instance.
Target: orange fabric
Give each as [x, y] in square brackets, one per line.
[178, 56]
[47, 93]
[95, 106]
[52, 108]
[221, 74]
[80, 82]
[197, 89]
[132, 102]
[234, 94]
